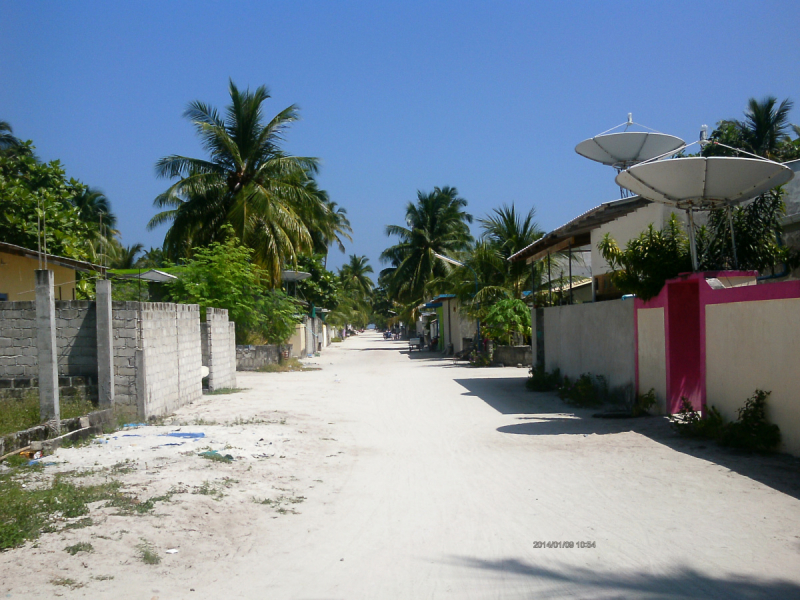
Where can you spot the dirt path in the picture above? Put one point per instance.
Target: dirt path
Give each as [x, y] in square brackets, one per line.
[388, 475]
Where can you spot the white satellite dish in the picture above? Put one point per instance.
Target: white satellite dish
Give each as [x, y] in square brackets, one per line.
[294, 275]
[699, 182]
[703, 183]
[627, 148]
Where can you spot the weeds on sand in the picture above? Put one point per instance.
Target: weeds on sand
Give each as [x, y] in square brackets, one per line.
[147, 553]
[79, 547]
[66, 582]
[279, 503]
[227, 390]
[287, 366]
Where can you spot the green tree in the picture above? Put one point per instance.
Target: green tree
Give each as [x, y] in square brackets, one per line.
[322, 288]
[763, 131]
[649, 260]
[248, 182]
[37, 200]
[222, 275]
[437, 223]
[507, 317]
[355, 277]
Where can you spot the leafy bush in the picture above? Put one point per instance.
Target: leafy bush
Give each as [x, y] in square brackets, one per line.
[643, 403]
[507, 317]
[750, 431]
[222, 276]
[542, 381]
[336, 340]
[585, 392]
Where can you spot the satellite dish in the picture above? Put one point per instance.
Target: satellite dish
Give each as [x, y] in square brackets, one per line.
[294, 275]
[627, 148]
[704, 182]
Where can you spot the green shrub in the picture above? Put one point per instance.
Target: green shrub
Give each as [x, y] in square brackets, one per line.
[750, 431]
[643, 403]
[335, 340]
[542, 381]
[585, 392]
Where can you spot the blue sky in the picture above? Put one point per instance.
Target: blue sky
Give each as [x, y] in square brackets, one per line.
[490, 97]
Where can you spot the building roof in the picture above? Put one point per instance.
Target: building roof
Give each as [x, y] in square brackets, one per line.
[70, 263]
[576, 232]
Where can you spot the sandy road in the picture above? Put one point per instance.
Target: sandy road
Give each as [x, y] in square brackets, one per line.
[423, 479]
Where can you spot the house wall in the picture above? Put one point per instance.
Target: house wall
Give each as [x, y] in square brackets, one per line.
[17, 278]
[756, 345]
[652, 354]
[595, 338]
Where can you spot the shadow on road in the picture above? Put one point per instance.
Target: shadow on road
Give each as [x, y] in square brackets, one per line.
[546, 414]
[683, 584]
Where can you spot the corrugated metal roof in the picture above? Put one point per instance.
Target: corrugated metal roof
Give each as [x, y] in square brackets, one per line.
[61, 261]
[591, 219]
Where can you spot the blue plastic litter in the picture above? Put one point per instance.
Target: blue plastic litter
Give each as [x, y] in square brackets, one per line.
[172, 444]
[181, 434]
[131, 435]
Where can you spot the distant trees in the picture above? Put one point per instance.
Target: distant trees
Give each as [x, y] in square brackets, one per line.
[248, 181]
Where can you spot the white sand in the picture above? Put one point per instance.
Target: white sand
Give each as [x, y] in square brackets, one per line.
[414, 478]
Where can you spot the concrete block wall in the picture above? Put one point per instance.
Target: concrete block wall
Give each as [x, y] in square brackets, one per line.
[172, 356]
[252, 358]
[76, 340]
[124, 317]
[219, 352]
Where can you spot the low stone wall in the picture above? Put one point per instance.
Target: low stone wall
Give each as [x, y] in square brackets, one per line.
[98, 420]
[511, 356]
[252, 358]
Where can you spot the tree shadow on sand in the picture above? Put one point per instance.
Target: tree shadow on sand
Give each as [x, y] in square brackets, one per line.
[683, 583]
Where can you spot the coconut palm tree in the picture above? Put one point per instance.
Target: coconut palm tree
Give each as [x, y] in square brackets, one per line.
[248, 181]
[7, 139]
[354, 276]
[763, 131]
[124, 257]
[94, 207]
[437, 223]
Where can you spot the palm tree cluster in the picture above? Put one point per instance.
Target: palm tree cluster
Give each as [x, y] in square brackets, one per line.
[268, 196]
[355, 296]
[438, 225]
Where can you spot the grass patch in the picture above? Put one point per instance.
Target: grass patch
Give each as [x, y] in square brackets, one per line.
[147, 553]
[215, 456]
[287, 366]
[336, 340]
[41, 507]
[18, 414]
[221, 391]
[79, 547]
[102, 577]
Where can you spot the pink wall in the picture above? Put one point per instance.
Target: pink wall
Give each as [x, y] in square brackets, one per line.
[684, 300]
